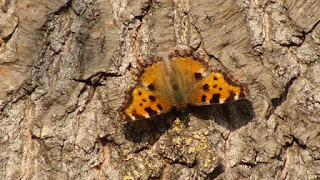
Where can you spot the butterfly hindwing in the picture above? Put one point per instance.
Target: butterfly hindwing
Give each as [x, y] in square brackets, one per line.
[146, 98]
[217, 88]
[145, 104]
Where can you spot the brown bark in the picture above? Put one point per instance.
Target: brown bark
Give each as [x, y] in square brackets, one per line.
[65, 66]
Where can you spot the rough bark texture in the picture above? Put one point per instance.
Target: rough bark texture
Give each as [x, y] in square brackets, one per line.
[65, 66]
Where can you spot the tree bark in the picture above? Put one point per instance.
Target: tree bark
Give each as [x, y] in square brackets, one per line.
[65, 67]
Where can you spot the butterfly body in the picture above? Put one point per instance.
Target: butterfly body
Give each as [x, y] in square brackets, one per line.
[187, 79]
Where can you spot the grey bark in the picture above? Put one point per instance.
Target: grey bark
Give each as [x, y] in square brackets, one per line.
[65, 66]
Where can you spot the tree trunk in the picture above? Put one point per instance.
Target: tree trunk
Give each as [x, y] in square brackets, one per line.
[65, 67]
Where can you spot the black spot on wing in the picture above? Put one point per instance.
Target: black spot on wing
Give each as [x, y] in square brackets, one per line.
[134, 113]
[214, 86]
[140, 104]
[220, 88]
[231, 96]
[144, 100]
[139, 93]
[151, 87]
[215, 98]
[198, 76]
[150, 111]
[203, 98]
[159, 107]
[205, 87]
[215, 78]
[152, 98]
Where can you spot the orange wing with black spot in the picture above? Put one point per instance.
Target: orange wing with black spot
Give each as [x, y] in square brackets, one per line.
[146, 99]
[188, 68]
[217, 88]
[188, 79]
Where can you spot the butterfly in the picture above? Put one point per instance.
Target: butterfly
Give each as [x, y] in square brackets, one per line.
[188, 79]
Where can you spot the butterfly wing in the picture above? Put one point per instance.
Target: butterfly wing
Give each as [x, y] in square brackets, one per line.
[146, 98]
[189, 80]
[217, 88]
[188, 68]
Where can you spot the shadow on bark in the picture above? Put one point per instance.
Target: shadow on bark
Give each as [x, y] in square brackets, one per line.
[149, 130]
[216, 172]
[230, 115]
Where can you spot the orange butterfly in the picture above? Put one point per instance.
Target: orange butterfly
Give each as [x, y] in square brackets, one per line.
[187, 79]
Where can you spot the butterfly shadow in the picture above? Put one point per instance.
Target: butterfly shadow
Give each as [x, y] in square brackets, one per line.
[149, 130]
[231, 115]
